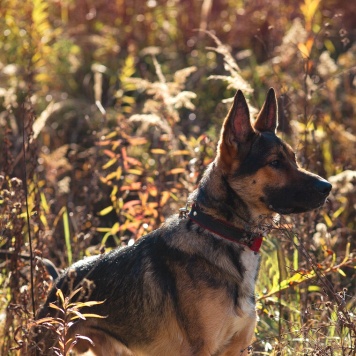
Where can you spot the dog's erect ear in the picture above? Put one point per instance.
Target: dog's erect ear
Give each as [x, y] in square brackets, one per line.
[267, 119]
[236, 132]
[237, 125]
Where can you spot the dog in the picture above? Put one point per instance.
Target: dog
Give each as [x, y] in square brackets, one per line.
[188, 288]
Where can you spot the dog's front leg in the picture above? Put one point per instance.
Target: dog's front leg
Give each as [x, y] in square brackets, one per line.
[241, 342]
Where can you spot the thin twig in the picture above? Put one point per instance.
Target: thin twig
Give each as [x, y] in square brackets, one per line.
[28, 213]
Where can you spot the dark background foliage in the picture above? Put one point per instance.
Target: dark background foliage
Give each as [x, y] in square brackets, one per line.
[109, 112]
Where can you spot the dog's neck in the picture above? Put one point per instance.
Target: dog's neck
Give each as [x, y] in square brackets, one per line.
[225, 230]
[217, 199]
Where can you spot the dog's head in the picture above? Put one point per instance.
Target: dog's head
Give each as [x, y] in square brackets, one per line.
[261, 168]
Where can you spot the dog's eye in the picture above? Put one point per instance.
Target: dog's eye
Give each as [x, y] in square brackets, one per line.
[275, 163]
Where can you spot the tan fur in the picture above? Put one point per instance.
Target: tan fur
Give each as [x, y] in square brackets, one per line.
[104, 345]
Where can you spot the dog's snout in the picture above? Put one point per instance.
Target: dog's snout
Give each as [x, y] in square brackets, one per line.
[323, 187]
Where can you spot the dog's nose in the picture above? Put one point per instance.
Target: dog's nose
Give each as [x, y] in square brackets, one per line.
[323, 186]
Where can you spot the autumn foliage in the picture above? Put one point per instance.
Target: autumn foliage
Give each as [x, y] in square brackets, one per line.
[109, 112]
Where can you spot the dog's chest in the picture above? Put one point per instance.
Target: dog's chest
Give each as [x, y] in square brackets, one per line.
[245, 303]
[251, 263]
[224, 317]
[243, 318]
[242, 307]
[244, 270]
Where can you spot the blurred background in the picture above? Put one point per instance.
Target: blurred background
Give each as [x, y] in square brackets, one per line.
[110, 110]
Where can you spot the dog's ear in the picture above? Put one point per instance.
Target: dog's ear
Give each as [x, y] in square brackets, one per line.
[236, 132]
[267, 119]
[237, 126]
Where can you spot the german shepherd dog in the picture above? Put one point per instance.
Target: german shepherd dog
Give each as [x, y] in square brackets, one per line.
[188, 288]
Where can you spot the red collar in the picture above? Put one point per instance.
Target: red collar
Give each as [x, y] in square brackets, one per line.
[225, 230]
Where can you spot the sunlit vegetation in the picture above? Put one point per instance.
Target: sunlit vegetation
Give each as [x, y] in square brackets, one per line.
[109, 112]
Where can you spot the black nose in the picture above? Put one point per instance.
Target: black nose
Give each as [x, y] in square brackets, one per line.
[323, 186]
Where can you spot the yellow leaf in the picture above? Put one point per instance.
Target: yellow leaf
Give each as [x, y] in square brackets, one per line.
[89, 303]
[137, 172]
[158, 151]
[111, 135]
[114, 191]
[60, 295]
[44, 220]
[164, 198]
[103, 180]
[303, 50]
[327, 219]
[88, 316]
[309, 44]
[115, 228]
[176, 171]
[106, 236]
[313, 6]
[329, 46]
[48, 319]
[309, 9]
[347, 251]
[128, 99]
[341, 272]
[127, 109]
[338, 212]
[314, 289]
[109, 163]
[54, 306]
[180, 153]
[136, 141]
[44, 203]
[114, 175]
[106, 211]
[118, 172]
[110, 176]
[152, 190]
[103, 229]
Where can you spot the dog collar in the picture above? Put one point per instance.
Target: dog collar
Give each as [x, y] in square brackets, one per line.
[225, 230]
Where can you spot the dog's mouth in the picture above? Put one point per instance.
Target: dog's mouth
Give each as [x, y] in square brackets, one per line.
[284, 210]
[287, 201]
